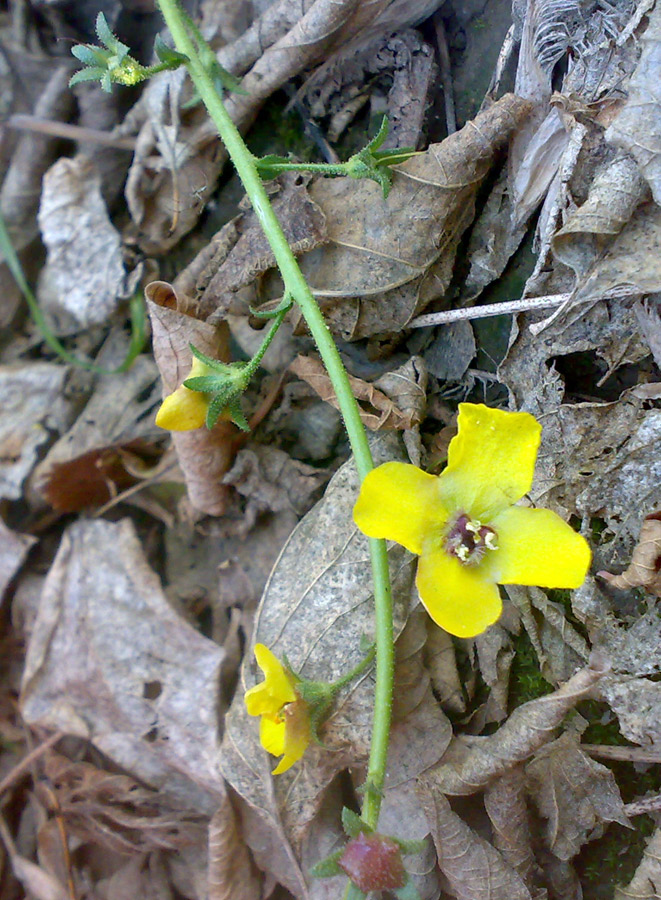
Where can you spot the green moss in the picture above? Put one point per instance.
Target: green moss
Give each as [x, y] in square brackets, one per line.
[526, 680]
[613, 859]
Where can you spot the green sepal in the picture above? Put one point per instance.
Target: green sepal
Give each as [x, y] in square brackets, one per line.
[353, 893]
[168, 55]
[328, 867]
[215, 364]
[211, 384]
[366, 645]
[93, 74]
[408, 892]
[379, 138]
[106, 83]
[107, 38]
[270, 166]
[284, 306]
[226, 80]
[236, 414]
[353, 825]
[90, 56]
[394, 157]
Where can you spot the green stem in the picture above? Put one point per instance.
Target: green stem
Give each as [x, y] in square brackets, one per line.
[296, 285]
[253, 365]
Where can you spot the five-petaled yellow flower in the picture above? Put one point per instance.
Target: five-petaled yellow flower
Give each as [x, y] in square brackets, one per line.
[463, 523]
[285, 724]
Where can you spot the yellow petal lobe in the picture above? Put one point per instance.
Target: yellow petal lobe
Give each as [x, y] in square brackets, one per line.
[272, 735]
[399, 502]
[457, 596]
[183, 410]
[490, 461]
[535, 546]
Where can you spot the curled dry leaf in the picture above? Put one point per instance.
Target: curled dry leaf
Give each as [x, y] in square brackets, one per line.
[646, 881]
[232, 875]
[316, 610]
[575, 794]
[205, 455]
[378, 410]
[470, 764]
[645, 567]
[638, 126]
[110, 660]
[473, 868]
[14, 548]
[74, 290]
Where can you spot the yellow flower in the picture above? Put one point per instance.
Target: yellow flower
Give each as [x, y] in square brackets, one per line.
[285, 725]
[463, 523]
[184, 410]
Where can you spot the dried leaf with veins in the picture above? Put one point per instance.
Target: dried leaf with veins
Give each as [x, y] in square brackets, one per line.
[646, 882]
[377, 410]
[645, 567]
[205, 455]
[576, 795]
[471, 763]
[102, 605]
[473, 868]
[505, 803]
[232, 874]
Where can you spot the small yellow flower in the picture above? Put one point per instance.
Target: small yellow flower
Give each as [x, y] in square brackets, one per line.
[184, 410]
[285, 725]
[463, 523]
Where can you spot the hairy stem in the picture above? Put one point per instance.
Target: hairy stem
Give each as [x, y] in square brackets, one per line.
[297, 287]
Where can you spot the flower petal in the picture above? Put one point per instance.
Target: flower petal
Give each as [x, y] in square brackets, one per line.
[399, 502]
[261, 702]
[491, 460]
[183, 410]
[277, 678]
[457, 596]
[297, 735]
[535, 546]
[272, 735]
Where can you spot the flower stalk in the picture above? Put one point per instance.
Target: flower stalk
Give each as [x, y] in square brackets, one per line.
[297, 287]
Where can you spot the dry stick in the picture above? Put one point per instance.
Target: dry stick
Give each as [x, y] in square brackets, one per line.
[19, 770]
[644, 805]
[446, 74]
[51, 128]
[489, 309]
[622, 754]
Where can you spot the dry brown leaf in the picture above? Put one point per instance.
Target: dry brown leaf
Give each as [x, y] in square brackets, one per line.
[377, 411]
[644, 570]
[646, 882]
[110, 660]
[315, 609]
[471, 763]
[388, 258]
[473, 868]
[14, 548]
[35, 405]
[232, 875]
[205, 455]
[74, 290]
[441, 662]
[575, 794]
[637, 128]
[116, 812]
[614, 194]
[505, 803]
